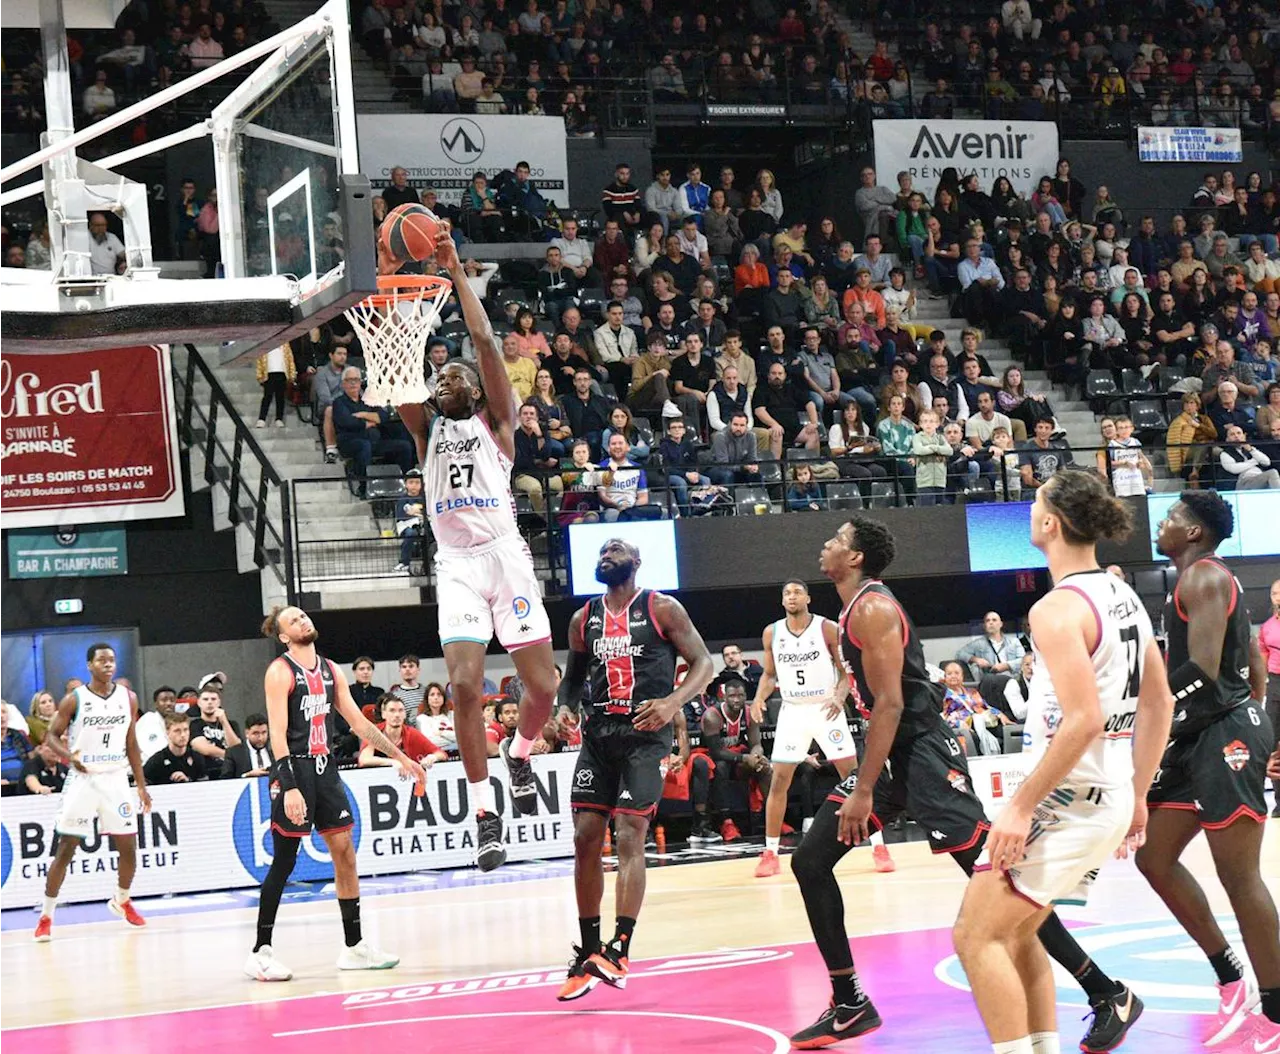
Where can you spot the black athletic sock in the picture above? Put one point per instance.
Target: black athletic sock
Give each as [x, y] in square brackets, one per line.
[813, 864]
[847, 989]
[350, 908]
[284, 855]
[590, 930]
[1271, 1004]
[622, 935]
[1227, 966]
[1064, 949]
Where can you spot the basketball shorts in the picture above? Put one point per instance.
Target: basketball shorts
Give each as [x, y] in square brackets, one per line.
[487, 589]
[1220, 773]
[102, 796]
[620, 769]
[800, 724]
[927, 779]
[1073, 833]
[328, 808]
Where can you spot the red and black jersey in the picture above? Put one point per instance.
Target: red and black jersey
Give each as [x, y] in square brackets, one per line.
[921, 698]
[735, 728]
[1232, 682]
[311, 708]
[630, 659]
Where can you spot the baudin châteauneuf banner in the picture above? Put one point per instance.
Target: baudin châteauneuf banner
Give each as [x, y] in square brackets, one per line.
[88, 437]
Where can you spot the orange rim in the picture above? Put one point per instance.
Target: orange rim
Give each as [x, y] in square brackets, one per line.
[401, 287]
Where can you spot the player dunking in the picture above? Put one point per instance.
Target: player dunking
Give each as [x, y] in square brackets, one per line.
[913, 764]
[1212, 773]
[802, 661]
[624, 646]
[99, 719]
[303, 691]
[485, 581]
[1098, 718]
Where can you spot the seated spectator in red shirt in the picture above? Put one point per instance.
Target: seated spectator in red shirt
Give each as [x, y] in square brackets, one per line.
[405, 736]
[501, 716]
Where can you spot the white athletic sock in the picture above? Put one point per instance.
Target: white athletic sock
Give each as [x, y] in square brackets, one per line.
[771, 844]
[481, 797]
[122, 894]
[877, 838]
[520, 747]
[1045, 1043]
[1015, 1046]
[50, 906]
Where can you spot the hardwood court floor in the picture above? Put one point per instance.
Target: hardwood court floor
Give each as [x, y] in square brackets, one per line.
[723, 962]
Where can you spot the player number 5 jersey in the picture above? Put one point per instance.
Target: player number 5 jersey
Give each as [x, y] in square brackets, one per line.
[1124, 631]
[467, 484]
[802, 662]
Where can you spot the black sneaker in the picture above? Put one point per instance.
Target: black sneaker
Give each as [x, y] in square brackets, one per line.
[490, 852]
[1113, 1016]
[837, 1023]
[524, 791]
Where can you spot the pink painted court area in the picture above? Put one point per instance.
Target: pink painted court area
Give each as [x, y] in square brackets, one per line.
[744, 1001]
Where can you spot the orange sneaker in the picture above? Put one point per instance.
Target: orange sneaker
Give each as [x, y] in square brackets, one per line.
[884, 862]
[609, 966]
[729, 831]
[126, 911]
[769, 864]
[577, 982]
[44, 930]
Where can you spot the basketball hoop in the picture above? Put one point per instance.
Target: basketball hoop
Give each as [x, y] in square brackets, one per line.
[393, 326]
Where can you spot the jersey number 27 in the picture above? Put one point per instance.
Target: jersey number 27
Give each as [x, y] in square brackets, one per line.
[456, 473]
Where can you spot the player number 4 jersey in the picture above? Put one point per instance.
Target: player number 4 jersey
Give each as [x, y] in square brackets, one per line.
[1124, 631]
[467, 484]
[100, 729]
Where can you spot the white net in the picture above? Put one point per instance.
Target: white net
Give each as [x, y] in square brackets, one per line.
[393, 328]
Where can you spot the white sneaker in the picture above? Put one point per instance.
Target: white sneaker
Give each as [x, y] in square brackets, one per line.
[401, 569]
[279, 422]
[366, 957]
[262, 965]
[670, 409]
[260, 423]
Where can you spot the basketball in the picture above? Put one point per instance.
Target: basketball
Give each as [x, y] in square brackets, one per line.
[409, 232]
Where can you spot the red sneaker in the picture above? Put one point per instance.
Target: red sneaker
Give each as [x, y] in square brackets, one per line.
[769, 865]
[729, 831]
[884, 862]
[788, 829]
[44, 930]
[126, 911]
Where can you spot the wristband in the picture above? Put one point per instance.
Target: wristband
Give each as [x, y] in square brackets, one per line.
[1195, 700]
[282, 773]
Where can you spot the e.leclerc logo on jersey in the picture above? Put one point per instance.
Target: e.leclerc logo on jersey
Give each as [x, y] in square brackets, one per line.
[251, 832]
[1157, 958]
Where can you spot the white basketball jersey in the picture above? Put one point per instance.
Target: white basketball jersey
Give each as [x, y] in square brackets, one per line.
[100, 727]
[803, 663]
[467, 484]
[1126, 473]
[1124, 631]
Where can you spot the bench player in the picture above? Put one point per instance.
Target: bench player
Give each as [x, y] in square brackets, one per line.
[1098, 718]
[1212, 774]
[99, 719]
[802, 661]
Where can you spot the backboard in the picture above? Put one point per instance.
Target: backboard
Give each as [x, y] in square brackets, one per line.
[294, 214]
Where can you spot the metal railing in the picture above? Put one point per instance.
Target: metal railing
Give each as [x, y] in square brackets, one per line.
[224, 467]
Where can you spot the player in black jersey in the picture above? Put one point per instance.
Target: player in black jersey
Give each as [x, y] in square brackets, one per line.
[305, 692]
[624, 644]
[912, 763]
[732, 740]
[1212, 773]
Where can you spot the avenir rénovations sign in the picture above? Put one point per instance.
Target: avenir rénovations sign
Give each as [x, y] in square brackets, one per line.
[1023, 151]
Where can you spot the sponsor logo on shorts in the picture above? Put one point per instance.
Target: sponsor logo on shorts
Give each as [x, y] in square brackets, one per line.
[456, 621]
[625, 796]
[836, 735]
[521, 607]
[958, 780]
[584, 778]
[125, 810]
[1236, 755]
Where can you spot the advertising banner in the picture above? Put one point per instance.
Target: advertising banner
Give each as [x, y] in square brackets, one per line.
[1201, 145]
[65, 552]
[996, 777]
[88, 437]
[209, 836]
[443, 151]
[1021, 150]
